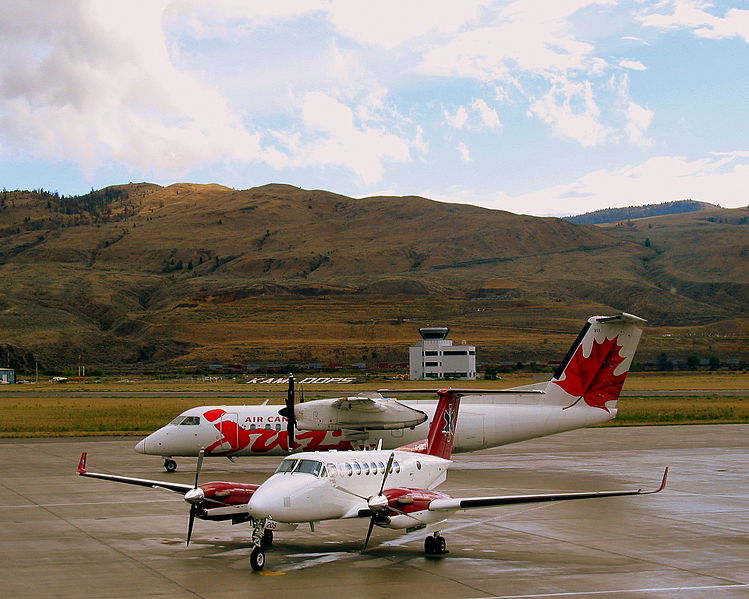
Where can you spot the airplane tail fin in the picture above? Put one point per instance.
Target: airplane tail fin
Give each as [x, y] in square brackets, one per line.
[597, 364]
[441, 437]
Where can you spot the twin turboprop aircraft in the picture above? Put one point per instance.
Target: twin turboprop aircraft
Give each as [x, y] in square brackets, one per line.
[393, 489]
[582, 392]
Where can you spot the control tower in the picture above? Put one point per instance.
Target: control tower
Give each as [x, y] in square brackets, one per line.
[435, 356]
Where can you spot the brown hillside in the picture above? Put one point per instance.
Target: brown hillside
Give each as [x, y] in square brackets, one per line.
[147, 276]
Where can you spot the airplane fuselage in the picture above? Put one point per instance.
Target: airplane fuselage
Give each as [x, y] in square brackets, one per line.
[293, 494]
[259, 430]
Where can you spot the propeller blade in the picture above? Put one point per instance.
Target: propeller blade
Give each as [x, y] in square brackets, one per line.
[350, 492]
[201, 454]
[190, 523]
[387, 471]
[369, 532]
[290, 416]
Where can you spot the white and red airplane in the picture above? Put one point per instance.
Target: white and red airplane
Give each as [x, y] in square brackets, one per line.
[394, 489]
[583, 392]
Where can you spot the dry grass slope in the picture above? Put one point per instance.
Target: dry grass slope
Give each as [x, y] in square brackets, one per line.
[141, 277]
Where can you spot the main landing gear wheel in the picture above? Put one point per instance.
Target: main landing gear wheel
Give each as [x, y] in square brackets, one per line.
[257, 558]
[435, 545]
[170, 465]
[267, 538]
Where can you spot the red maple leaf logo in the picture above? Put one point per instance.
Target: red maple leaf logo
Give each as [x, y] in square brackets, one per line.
[592, 379]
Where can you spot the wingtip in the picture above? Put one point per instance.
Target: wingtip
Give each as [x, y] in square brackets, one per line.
[82, 463]
[663, 481]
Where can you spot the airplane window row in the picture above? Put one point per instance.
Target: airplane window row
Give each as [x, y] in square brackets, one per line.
[267, 427]
[365, 468]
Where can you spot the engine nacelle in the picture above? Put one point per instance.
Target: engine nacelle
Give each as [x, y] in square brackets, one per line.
[372, 412]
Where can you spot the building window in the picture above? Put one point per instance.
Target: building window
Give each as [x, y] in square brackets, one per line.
[431, 363]
[456, 352]
[431, 353]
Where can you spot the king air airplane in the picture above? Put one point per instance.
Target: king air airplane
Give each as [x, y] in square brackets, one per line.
[583, 392]
[393, 489]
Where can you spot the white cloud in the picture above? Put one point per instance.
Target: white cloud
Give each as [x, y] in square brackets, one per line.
[465, 153]
[458, 119]
[720, 178]
[94, 82]
[334, 136]
[489, 116]
[694, 15]
[571, 111]
[634, 65]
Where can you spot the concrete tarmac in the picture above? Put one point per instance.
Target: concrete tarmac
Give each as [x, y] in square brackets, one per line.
[66, 536]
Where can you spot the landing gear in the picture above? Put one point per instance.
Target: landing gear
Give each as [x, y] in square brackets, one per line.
[170, 465]
[261, 537]
[435, 545]
[267, 538]
[257, 559]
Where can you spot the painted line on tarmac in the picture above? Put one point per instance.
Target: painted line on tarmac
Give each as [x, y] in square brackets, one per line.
[5, 507]
[718, 587]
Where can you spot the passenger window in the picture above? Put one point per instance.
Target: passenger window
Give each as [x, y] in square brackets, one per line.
[418, 465]
[381, 467]
[278, 427]
[253, 426]
[332, 470]
[349, 469]
[267, 427]
[357, 468]
[365, 468]
[373, 466]
[397, 467]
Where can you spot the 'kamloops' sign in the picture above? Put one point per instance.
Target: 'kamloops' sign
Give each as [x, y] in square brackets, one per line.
[310, 380]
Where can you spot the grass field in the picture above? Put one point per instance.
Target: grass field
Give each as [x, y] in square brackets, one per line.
[79, 408]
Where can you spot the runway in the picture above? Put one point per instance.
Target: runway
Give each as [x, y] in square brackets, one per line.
[66, 536]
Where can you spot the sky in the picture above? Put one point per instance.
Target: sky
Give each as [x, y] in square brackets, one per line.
[541, 107]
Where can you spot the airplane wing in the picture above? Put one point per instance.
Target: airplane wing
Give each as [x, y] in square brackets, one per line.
[465, 503]
[155, 484]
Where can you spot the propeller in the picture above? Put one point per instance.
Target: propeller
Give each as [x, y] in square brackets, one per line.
[288, 412]
[376, 503]
[195, 496]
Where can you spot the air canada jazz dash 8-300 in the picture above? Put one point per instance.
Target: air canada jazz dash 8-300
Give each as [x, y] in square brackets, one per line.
[583, 392]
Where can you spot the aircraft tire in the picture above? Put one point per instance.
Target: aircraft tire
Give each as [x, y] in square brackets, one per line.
[430, 545]
[170, 465]
[257, 559]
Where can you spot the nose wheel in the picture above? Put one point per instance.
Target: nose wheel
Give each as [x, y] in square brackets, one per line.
[257, 559]
[435, 545]
[170, 465]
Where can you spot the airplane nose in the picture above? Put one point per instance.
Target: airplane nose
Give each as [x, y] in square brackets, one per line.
[259, 507]
[140, 446]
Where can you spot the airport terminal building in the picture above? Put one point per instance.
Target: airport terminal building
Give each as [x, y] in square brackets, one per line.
[435, 357]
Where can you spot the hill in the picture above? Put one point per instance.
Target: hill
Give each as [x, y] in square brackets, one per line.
[612, 215]
[147, 277]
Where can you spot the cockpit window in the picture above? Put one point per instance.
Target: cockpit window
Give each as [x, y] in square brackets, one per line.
[177, 420]
[309, 467]
[186, 420]
[286, 466]
[300, 466]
